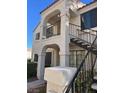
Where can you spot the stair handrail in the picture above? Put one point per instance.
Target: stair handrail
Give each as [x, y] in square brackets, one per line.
[81, 29]
[76, 31]
[79, 68]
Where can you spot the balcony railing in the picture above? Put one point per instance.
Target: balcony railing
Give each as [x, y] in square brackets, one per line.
[74, 31]
[87, 35]
[51, 30]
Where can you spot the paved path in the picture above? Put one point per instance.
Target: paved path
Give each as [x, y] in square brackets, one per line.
[35, 84]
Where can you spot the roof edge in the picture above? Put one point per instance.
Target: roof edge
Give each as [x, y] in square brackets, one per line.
[49, 6]
[36, 26]
[87, 5]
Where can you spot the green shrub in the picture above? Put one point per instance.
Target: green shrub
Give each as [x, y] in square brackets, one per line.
[28, 60]
[31, 70]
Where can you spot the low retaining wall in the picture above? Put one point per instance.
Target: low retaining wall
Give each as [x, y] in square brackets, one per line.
[37, 86]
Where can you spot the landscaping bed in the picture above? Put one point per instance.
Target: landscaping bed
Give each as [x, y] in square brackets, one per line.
[31, 71]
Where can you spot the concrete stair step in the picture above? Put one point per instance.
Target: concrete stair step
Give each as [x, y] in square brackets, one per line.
[74, 39]
[80, 41]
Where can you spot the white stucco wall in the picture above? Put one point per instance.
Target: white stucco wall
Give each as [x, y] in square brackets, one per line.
[75, 20]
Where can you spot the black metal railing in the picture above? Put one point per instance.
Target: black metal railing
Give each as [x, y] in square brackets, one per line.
[83, 78]
[85, 35]
[50, 30]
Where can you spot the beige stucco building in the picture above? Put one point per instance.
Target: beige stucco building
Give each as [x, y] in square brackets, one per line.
[62, 21]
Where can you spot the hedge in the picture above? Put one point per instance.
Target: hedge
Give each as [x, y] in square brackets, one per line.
[28, 60]
[31, 70]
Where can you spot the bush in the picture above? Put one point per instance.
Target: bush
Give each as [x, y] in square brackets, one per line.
[31, 70]
[28, 60]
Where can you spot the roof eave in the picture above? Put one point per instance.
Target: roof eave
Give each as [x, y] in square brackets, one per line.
[49, 6]
[88, 4]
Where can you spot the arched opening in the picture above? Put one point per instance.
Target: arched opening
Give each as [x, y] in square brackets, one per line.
[52, 24]
[52, 57]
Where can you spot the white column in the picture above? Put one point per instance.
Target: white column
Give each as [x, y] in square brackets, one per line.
[64, 59]
[41, 66]
[64, 51]
[55, 57]
[43, 28]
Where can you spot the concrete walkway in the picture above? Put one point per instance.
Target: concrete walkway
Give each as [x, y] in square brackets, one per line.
[35, 84]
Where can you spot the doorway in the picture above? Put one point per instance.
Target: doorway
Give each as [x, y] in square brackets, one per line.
[48, 59]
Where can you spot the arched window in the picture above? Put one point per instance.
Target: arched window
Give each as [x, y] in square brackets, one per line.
[36, 57]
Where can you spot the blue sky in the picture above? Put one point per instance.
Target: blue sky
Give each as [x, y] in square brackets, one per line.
[33, 15]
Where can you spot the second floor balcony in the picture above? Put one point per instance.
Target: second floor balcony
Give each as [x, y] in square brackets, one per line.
[74, 31]
[52, 30]
[86, 30]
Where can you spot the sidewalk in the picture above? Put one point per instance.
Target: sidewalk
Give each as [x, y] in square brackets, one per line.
[36, 86]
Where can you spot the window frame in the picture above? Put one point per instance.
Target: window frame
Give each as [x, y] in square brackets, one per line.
[91, 23]
[35, 57]
[37, 36]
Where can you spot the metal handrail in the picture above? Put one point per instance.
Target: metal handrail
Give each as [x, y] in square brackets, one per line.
[80, 27]
[49, 30]
[75, 31]
[79, 69]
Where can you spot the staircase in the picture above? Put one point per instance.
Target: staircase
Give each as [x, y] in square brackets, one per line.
[85, 79]
[82, 38]
[84, 44]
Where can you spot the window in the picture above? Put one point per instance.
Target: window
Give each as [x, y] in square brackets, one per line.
[36, 57]
[76, 57]
[89, 19]
[37, 36]
[49, 31]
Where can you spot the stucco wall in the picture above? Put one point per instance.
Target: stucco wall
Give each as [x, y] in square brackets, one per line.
[36, 46]
[75, 20]
[56, 6]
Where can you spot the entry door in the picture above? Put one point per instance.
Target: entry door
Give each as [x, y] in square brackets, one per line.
[48, 59]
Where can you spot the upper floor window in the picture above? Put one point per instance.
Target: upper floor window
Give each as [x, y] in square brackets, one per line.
[49, 31]
[89, 19]
[36, 57]
[37, 36]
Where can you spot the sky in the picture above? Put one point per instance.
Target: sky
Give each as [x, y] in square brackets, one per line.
[33, 15]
